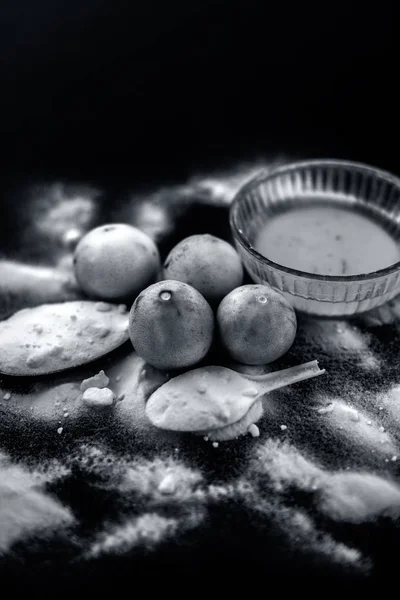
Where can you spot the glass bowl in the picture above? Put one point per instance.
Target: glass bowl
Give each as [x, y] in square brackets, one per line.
[367, 190]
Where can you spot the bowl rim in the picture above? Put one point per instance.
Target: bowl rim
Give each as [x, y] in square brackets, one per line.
[266, 174]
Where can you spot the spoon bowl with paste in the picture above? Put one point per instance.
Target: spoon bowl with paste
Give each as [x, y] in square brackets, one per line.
[51, 338]
[218, 402]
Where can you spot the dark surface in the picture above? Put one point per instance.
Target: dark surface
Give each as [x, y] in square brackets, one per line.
[132, 98]
[81, 509]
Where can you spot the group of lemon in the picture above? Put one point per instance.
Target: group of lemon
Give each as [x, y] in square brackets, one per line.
[194, 299]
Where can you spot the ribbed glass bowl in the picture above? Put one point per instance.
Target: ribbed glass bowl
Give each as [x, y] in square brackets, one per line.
[365, 189]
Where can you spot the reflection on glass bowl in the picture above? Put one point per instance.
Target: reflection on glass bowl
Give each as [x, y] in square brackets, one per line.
[363, 193]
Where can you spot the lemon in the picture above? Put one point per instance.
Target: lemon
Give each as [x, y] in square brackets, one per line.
[209, 264]
[171, 325]
[256, 324]
[116, 261]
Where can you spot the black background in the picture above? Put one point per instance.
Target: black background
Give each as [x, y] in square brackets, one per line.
[154, 90]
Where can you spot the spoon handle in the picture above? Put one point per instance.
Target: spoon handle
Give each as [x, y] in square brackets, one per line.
[279, 379]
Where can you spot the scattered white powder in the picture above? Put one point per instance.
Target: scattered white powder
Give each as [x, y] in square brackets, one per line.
[152, 481]
[167, 485]
[25, 507]
[222, 188]
[254, 430]
[357, 426]
[141, 476]
[100, 380]
[358, 497]
[300, 528]
[98, 398]
[151, 217]
[295, 524]
[326, 409]
[71, 237]
[59, 211]
[391, 402]
[340, 336]
[147, 531]
[346, 496]
[284, 466]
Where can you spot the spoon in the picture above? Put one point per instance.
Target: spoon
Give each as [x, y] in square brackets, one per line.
[214, 397]
[56, 337]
